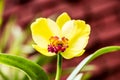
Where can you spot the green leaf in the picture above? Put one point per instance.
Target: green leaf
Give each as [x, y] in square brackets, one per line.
[78, 77]
[33, 71]
[4, 77]
[42, 60]
[1, 10]
[6, 34]
[90, 58]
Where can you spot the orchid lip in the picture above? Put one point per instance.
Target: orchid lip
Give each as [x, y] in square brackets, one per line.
[57, 44]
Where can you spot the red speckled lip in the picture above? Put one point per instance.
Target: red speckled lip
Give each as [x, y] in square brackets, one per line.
[57, 45]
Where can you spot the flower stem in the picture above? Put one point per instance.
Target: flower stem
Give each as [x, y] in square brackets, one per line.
[59, 68]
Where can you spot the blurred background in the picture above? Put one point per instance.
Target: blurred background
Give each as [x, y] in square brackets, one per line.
[102, 15]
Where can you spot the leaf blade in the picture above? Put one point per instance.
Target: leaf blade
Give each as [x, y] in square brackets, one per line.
[92, 57]
[1, 10]
[34, 71]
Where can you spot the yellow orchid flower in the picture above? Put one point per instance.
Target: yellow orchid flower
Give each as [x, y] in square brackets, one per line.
[65, 36]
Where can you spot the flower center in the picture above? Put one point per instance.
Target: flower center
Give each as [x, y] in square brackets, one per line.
[57, 44]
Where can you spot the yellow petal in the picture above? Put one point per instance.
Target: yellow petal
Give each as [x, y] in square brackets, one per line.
[69, 29]
[75, 27]
[79, 44]
[42, 29]
[53, 28]
[82, 27]
[75, 48]
[62, 19]
[43, 51]
[68, 54]
[78, 38]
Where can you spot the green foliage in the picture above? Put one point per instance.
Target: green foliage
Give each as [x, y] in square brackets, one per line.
[90, 58]
[6, 34]
[1, 10]
[33, 71]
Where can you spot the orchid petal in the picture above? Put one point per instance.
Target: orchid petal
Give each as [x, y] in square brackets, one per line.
[62, 19]
[42, 29]
[68, 54]
[78, 37]
[43, 51]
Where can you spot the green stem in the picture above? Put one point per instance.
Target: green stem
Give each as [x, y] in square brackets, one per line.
[59, 68]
